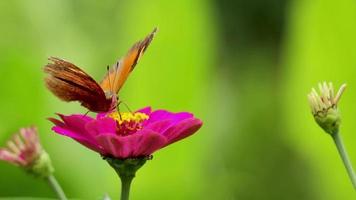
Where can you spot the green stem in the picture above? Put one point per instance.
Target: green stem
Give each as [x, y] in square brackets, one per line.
[345, 158]
[126, 169]
[52, 181]
[125, 186]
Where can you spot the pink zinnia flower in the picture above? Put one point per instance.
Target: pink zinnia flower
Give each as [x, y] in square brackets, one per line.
[124, 135]
[23, 149]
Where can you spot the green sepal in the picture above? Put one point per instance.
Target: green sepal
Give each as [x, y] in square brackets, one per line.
[126, 168]
[329, 120]
[42, 166]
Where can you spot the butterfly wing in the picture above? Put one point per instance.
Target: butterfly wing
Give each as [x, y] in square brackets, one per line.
[69, 83]
[118, 74]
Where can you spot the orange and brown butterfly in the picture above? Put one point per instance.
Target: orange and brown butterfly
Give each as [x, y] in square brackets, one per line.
[70, 83]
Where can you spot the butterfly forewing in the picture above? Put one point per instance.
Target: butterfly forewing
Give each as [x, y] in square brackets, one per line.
[118, 73]
[69, 83]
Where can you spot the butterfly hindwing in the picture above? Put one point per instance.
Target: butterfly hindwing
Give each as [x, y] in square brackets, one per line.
[118, 73]
[69, 83]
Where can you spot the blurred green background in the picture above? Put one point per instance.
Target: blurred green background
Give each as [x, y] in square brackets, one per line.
[243, 67]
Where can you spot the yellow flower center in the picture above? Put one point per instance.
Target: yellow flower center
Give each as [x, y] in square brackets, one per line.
[127, 122]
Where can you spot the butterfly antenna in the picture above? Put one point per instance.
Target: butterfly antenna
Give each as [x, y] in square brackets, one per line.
[115, 76]
[110, 83]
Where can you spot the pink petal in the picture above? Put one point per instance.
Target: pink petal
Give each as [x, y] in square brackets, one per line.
[159, 115]
[181, 116]
[30, 137]
[159, 126]
[74, 126]
[163, 114]
[114, 145]
[76, 122]
[131, 146]
[55, 121]
[102, 115]
[89, 142]
[182, 130]
[146, 110]
[148, 142]
[11, 158]
[101, 126]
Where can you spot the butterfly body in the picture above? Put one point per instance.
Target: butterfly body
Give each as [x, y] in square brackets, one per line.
[70, 83]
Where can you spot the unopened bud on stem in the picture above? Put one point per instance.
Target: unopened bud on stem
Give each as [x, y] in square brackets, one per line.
[324, 106]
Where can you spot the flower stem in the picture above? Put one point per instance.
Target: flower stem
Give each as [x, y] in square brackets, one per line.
[52, 181]
[126, 169]
[125, 186]
[345, 158]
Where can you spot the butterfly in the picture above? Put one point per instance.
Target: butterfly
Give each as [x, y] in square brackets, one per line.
[70, 83]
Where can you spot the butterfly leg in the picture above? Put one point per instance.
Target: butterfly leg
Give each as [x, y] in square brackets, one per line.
[125, 104]
[118, 108]
[86, 113]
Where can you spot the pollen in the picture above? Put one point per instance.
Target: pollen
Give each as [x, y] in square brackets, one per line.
[127, 122]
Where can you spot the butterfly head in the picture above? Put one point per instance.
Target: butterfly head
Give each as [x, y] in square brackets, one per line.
[114, 101]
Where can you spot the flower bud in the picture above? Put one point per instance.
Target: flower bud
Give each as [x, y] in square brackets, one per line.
[24, 150]
[324, 107]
